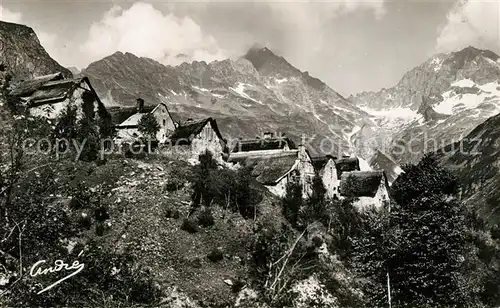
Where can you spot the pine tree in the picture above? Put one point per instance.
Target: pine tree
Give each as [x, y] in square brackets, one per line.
[315, 209]
[421, 243]
[202, 182]
[292, 202]
[428, 230]
[148, 126]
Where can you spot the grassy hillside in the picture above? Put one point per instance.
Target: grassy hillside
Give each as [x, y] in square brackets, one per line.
[143, 222]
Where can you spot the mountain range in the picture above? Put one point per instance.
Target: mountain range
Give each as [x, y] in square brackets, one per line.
[442, 101]
[435, 104]
[256, 93]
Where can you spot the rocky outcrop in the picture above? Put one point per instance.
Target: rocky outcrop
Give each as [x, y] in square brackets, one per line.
[428, 112]
[23, 56]
[436, 103]
[475, 160]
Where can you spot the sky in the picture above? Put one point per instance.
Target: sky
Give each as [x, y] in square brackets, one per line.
[353, 46]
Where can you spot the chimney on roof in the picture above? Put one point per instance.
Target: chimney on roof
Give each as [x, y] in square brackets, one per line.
[140, 105]
[268, 135]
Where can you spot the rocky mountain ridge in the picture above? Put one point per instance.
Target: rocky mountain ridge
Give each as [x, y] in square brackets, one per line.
[476, 161]
[258, 92]
[435, 104]
[432, 77]
[22, 54]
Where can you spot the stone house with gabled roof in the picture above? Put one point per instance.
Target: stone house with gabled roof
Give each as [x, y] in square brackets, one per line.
[274, 165]
[127, 131]
[369, 188]
[50, 95]
[330, 169]
[197, 137]
[273, 171]
[326, 168]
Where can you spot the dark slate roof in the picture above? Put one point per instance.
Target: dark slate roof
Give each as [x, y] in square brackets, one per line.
[184, 133]
[346, 165]
[269, 169]
[274, 143]
[133, 120]
[319, 162]
[361, 183]
[48, 89]
[121, 114]
[28, 87]
[52, 92]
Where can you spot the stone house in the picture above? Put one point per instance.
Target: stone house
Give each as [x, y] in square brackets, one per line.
[330, 170]
[325, 167]
[195, 137]
[127, 131]
[51, 95]
[275, 164]
[369, 188]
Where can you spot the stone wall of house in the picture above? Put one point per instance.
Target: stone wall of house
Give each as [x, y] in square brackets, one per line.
[330, 180]
[306, 171]
[380, 199]
[163, 118]
[207, 139]
[52, 111]
[279, 189]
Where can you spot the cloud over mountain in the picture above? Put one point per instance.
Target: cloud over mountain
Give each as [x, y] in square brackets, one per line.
[146, 31]
[472, 22]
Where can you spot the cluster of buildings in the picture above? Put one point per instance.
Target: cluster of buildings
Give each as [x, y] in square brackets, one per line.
[274, 159]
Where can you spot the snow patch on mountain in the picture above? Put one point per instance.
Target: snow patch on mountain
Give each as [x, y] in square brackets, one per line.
[394, 117]
[454, 102]
[341, 109]
[438, 63]
[240, 90]
[200, 89]
[280, 80]
[493, 62]
[349, 137]
[464, 83]
[394, 113]
[166, 100]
